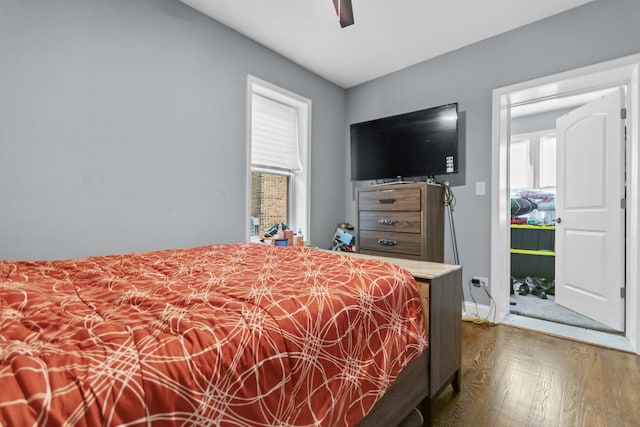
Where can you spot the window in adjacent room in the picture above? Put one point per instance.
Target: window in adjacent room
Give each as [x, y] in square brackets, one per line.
[278, 146]
[533, 161]
[520, 172]
[547, 176]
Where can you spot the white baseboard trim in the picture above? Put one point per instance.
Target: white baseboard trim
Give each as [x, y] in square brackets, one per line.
[481, 311]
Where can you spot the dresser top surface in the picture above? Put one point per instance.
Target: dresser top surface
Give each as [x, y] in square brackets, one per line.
[419, 269]
[396, 186]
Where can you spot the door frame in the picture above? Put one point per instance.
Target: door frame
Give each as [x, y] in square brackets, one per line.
[620, 72]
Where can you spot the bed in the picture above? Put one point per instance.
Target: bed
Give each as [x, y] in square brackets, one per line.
[533, 205]
[238, 335]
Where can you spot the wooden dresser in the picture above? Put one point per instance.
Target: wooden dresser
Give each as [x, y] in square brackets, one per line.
[401, 221]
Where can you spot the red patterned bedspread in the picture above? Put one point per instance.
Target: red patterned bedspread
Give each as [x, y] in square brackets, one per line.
[230, 335]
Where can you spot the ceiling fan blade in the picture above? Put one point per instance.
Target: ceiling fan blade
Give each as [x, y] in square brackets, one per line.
[344, 11]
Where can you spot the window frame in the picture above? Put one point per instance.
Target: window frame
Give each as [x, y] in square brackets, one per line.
[299, 183]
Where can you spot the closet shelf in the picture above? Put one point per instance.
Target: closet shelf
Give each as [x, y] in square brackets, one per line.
[534, 227]
[532, 252]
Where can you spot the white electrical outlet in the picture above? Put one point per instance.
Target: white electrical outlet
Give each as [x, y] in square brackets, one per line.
[482, 282]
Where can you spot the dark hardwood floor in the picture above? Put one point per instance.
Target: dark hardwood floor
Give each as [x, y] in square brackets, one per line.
[516, 377]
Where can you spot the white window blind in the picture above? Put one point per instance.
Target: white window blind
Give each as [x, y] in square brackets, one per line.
[274, 137]
[521, 173]
[548, 161]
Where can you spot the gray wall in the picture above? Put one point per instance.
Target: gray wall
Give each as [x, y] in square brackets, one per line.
[122, 123]
[596, 32]
[122, 128]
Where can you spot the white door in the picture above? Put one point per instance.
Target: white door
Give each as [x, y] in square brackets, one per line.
[590, 250]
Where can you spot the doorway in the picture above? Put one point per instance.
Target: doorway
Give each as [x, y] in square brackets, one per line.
[566, 132]
[622, 72]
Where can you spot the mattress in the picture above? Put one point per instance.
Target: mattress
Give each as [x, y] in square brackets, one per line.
[238, 335]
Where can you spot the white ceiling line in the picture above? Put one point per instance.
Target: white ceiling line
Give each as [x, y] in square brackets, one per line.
[388, 36]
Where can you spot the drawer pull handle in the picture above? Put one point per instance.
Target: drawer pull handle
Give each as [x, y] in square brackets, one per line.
[387, 201]
[386, 221]
[387, 242]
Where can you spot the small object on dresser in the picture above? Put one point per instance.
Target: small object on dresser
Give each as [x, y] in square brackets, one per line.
[281, 242]
[300, 238]
[288, 234]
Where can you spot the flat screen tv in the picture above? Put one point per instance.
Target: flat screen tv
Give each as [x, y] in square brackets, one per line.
[417, 144]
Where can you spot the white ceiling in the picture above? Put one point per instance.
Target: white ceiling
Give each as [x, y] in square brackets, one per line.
[388, 35]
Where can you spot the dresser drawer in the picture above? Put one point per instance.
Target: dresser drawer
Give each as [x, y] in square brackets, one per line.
[407, 222]
[392, 242]
[390, 200]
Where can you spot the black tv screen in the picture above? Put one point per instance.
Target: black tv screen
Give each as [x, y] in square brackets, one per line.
[417, 144]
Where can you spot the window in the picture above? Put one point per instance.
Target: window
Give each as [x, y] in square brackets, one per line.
[548, 162]
[278, 146]
[520, 173]
[532, 161]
